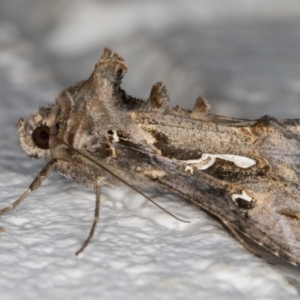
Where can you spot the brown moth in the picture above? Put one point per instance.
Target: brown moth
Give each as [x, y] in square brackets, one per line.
[245, 173]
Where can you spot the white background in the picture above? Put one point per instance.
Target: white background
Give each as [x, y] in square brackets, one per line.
[243, 56]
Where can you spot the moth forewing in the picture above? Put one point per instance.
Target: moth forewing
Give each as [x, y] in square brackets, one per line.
[256, 192]
[243, 172]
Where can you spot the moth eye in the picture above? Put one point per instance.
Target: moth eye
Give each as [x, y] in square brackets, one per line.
[41, 136]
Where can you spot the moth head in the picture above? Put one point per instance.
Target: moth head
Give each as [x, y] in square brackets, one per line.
[34, 134]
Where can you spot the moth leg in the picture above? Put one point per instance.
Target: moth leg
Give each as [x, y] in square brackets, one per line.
[33, 186]
[97, 188]
[239, 238]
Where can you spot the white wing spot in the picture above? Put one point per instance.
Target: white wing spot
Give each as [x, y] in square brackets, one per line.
[207, 160]
[243, 195]
[115, 137]
[189, 169]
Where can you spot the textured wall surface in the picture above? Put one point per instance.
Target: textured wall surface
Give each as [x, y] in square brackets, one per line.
[243, 56]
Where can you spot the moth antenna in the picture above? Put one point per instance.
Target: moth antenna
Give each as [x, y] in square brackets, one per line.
[201, 109]
[36, 183]
[159, 99]
[121, 180]
[234, 232]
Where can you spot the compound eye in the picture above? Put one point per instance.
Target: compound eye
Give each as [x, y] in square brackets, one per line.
[41, 136]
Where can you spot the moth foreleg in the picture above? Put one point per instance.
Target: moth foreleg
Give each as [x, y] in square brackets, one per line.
[96, 215]
[33, 186]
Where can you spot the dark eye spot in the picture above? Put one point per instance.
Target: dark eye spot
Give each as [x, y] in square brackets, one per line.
[244, 204]
[41, 136]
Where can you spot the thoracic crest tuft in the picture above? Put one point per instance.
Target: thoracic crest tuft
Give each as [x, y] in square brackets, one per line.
[201, 109]
[159, 100]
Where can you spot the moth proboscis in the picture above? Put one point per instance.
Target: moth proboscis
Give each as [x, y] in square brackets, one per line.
[244, 172]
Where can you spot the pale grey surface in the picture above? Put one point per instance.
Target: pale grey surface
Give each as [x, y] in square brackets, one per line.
[243, 56]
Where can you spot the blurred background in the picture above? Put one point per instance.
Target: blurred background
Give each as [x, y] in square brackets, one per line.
[243, 56]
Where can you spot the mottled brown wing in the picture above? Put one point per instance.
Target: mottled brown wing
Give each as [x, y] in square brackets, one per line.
[261, 200]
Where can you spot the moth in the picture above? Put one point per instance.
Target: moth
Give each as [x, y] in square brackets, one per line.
[245, 173]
